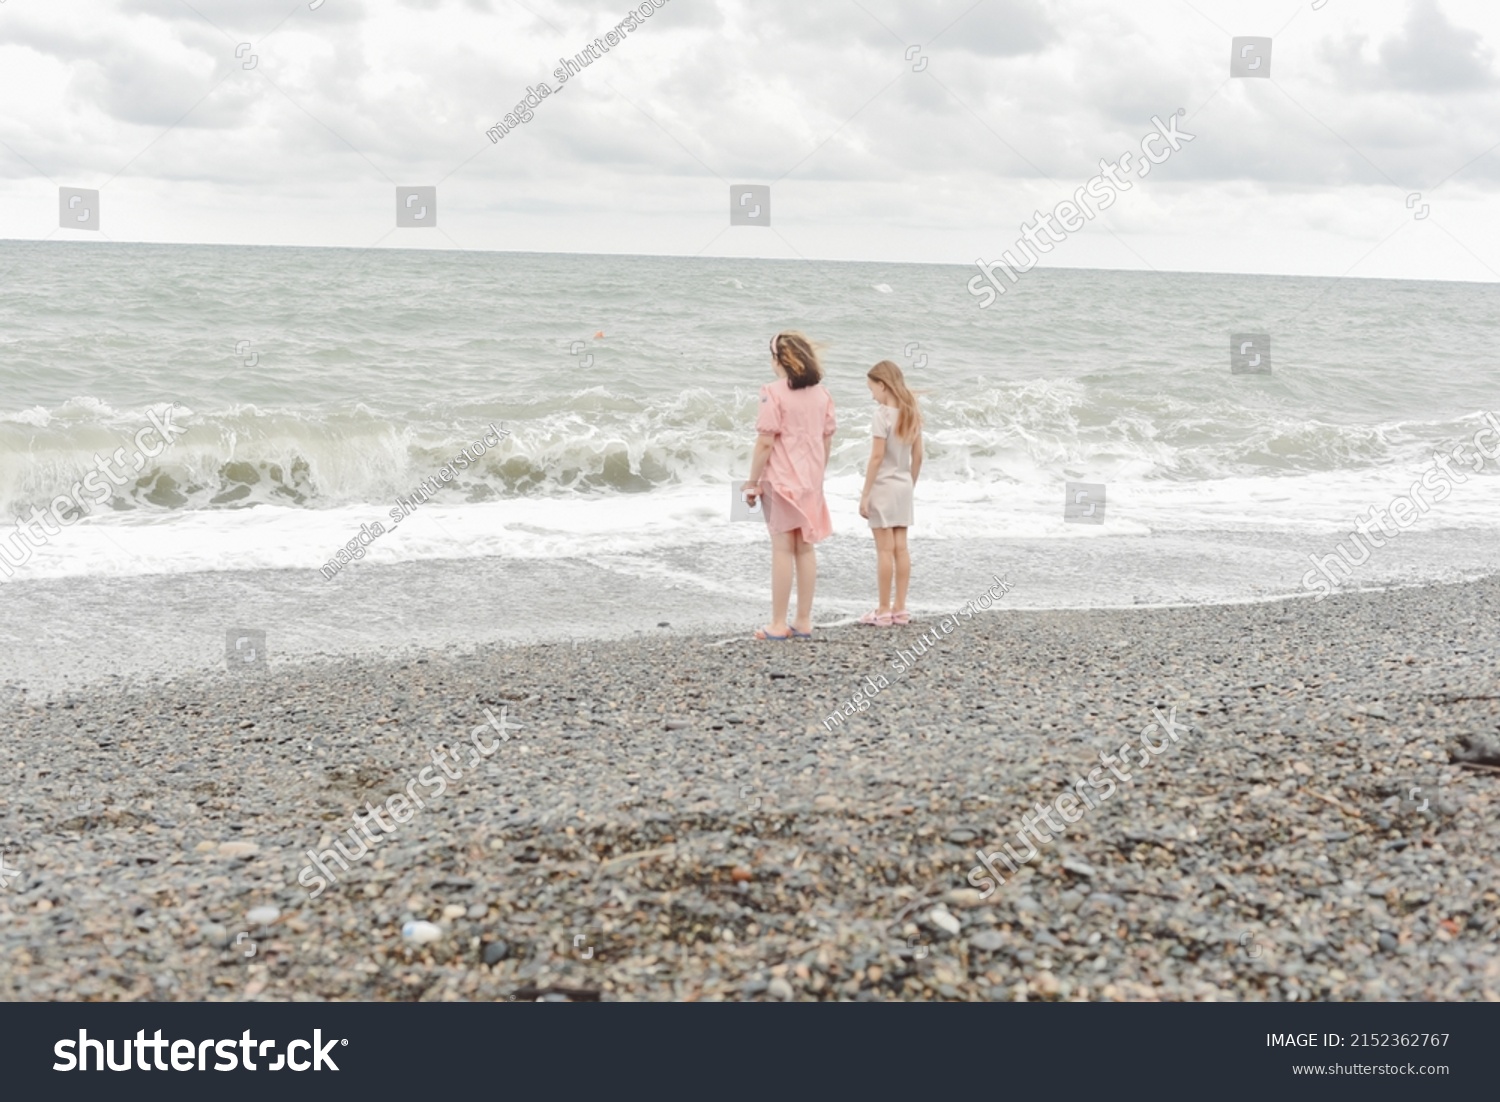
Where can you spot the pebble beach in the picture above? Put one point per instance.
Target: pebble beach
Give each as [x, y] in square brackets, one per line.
[674, 819]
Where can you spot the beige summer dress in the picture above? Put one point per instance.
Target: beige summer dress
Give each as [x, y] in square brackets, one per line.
[890, 497]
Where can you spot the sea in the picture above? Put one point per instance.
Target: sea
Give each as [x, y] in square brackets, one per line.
[317, 386]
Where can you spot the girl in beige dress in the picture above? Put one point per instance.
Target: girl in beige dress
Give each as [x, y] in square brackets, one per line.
[890, 478]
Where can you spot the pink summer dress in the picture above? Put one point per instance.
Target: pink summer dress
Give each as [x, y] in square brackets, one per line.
[793, 479]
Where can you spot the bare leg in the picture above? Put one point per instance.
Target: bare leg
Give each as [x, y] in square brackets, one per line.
[885, 564]
[903, 567]
[783, 559]
[807, 581]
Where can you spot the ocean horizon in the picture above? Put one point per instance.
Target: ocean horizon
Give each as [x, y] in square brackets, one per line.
[627, 388]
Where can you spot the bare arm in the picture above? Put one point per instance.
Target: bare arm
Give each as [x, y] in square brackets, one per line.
[758, 465]
[877, 456]
[916, 460]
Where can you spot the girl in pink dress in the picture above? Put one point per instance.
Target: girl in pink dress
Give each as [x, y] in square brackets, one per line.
[794, 437]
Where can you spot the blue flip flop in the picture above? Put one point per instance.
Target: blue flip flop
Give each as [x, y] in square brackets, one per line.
[765, 636]
[800, 634]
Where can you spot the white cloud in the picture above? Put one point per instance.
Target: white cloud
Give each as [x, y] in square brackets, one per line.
[1435, 56]
[1011, 106]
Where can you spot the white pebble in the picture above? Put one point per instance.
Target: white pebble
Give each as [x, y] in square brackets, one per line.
[263, 916]
[963, 897]
[420, 933]
[944, 921]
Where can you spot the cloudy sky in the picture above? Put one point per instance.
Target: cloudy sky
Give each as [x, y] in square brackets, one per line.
[886, 130]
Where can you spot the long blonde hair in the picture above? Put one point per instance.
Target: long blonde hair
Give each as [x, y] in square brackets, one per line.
[908, 416]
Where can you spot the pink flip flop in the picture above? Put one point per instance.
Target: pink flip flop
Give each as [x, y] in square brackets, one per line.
[876, 619]
[901, 618]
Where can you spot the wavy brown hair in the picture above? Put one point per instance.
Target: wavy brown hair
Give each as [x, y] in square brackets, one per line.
[908, 416]
[798, 358]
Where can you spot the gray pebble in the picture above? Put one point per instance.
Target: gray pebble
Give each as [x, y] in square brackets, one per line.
[621, 807]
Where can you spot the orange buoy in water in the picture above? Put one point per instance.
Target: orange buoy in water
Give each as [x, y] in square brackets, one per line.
[599, 336]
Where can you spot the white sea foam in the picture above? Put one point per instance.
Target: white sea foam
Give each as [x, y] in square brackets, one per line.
[587, 527]
[340, 402]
